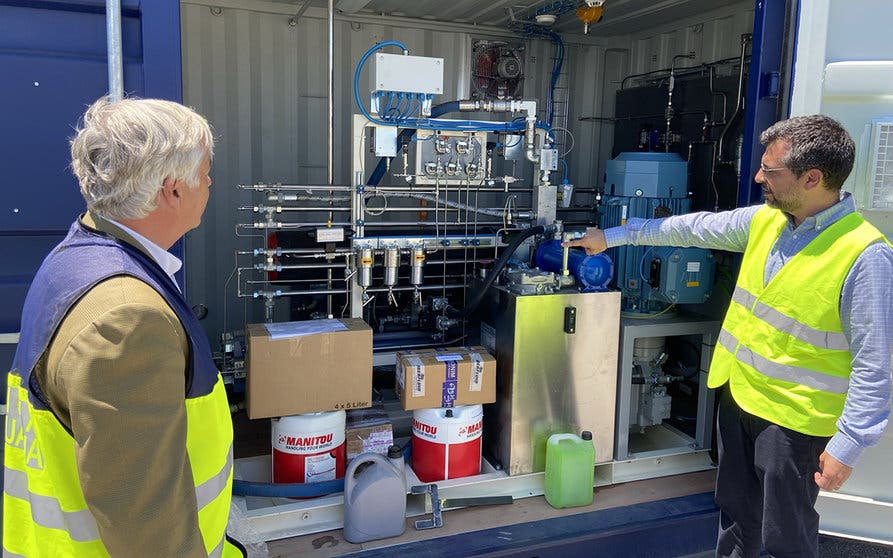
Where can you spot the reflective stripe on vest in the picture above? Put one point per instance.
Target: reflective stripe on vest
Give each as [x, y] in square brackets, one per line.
[46, 510]
[793, 374]
[64, 516]
[824, 339]
[782, 347]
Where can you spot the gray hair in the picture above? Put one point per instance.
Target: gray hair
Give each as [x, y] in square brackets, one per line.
[817, 142]
[123, 151]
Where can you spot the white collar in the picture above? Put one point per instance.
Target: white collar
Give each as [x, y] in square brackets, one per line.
[168, 262]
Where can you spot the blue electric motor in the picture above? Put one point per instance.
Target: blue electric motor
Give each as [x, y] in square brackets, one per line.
[592, 272]
[651, 186]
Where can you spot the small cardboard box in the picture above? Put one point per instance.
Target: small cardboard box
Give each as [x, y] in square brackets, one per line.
[446, 378]
[368, 430]
[308, 367]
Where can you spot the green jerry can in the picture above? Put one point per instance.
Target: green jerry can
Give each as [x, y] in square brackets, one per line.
[570, 466]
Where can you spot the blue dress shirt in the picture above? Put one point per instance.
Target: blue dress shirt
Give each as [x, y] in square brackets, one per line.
[865, 302]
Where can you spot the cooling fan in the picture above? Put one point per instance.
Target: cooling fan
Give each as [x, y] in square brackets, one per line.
[497, 70]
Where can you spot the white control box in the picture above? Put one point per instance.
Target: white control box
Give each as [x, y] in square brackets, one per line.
[408, 74]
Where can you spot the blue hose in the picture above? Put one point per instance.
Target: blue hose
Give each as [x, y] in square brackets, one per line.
[405, 137]
[422, 123]
[556, 72]
[290, 490]
[297, 489]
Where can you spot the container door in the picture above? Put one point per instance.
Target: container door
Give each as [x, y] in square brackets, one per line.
[843, 67]
[53, 63]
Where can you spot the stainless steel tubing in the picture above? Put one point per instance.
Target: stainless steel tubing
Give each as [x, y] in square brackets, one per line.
[115, 50]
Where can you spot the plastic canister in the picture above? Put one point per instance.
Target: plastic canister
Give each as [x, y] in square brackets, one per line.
[309, 447]
[375, 497]
[446, 443]
[593, 272]
[570, 466]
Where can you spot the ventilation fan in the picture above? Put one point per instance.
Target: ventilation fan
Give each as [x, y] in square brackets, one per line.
[497, 70]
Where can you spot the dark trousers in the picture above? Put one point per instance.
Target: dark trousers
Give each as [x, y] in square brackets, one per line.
[764, 486]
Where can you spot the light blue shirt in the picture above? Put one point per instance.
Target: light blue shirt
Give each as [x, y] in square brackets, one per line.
[866, 307]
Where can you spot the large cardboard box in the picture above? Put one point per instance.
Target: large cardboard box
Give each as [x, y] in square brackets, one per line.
[308, 367]
[445, 378]
[368, 430]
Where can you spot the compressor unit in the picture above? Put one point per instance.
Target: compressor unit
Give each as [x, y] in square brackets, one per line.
[653, 278]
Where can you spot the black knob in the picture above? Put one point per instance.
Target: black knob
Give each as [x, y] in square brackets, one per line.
[587, 435]
[394, 452]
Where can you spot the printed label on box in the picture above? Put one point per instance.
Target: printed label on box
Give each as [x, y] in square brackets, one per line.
[477, 372]
[378, 441]
[450, 386]
[448, 357]
[418, 377]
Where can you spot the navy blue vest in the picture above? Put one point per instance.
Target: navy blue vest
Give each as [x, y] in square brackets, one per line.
[83, 259]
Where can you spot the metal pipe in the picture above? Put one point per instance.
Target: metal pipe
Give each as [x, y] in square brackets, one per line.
[331, 94]
[494, 211]
[725, 104]
[264, 267]
[115, 50]
[280, 225]
[745, 38]
[331, 146]
[668, 114]
[280, 209]
[414, 288]
[276, 294]
[280, 197]
[261, 187]
[301, 252]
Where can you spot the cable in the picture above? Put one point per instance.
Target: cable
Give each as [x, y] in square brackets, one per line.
[647, 316]
[573, 140]
[376, 212]
[642, 264]
[565, 170]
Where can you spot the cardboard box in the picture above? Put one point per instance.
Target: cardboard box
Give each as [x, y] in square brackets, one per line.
[308, 367]
[368, 430]
[445, 378]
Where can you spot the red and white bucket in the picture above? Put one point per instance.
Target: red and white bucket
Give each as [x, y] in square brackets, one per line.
[446, 443]
[309, 448]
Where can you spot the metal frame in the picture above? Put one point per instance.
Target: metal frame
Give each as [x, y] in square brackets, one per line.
[632, 329]
[280, 518]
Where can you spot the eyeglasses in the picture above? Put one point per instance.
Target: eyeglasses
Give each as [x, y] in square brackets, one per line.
[765, 170]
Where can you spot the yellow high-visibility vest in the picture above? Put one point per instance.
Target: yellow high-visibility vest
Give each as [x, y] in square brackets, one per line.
[45, 513]
[782, 349]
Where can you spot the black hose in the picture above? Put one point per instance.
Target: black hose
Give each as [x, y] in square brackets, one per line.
[472, 305]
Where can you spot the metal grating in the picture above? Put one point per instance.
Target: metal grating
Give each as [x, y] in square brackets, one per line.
[882, 166]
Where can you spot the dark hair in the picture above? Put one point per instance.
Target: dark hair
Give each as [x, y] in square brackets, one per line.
[817, 142]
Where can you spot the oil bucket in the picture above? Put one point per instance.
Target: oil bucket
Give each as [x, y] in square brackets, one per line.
[309, 447]
[446, 443]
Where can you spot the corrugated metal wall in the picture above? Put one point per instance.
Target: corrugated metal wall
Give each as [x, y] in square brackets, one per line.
[260, 78]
